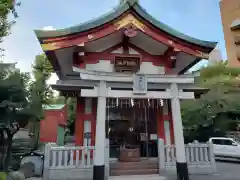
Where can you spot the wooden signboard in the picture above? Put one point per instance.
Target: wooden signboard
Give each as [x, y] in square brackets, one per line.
[127, 64]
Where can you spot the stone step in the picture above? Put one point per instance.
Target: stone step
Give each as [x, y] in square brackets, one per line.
[135, 166]
[133, 172]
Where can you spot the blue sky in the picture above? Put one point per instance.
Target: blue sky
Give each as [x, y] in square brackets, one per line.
[198, 18]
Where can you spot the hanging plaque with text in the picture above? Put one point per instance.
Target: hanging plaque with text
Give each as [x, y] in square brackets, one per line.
[139, 84]
[127, 64]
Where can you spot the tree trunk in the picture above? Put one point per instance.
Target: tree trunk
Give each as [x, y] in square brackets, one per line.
[8, 153]
[5, 152]
[2, 151]
[36, 133]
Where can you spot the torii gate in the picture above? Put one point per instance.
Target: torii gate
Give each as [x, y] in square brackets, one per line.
[102, 90]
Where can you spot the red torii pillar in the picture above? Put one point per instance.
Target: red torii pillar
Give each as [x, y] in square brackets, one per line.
[165, 124]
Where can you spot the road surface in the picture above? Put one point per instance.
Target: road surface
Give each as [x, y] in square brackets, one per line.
[226, 170]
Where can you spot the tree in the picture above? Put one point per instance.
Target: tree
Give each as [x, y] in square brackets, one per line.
[216, 110]
[40, 92]
[13, 102]
[6, 7]
[71, 105]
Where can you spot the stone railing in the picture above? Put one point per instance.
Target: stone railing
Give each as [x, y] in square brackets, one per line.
[200, 158]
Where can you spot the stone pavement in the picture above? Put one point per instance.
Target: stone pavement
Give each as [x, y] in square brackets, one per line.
[138, 177]
[225, 171]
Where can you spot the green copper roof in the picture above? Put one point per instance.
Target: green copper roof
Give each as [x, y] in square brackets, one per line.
[53, 106]
[116, 12]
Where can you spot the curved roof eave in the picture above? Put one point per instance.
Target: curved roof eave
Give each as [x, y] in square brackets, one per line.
[171, 31]
[118, 11]
[235, 25]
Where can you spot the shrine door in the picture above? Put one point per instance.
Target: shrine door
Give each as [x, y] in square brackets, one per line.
[132, 123]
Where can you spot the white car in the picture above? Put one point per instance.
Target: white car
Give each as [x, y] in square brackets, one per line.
[225, 147]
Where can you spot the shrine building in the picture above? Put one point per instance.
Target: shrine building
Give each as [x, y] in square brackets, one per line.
[127, 71]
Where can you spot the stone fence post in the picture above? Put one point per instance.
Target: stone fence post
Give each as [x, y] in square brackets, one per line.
[107, 168]
[212, 158]
[161, 155]
[47, 159]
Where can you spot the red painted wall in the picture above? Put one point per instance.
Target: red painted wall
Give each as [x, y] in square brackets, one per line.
[81, 117]
[79, 122]
[48, 126]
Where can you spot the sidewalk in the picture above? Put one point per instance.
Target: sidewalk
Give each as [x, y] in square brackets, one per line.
[199, 177]
[135, 177]
[138, 177]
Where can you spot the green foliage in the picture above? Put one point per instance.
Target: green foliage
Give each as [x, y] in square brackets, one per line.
[40, 92]
[6, 7]
[220, 106]
[220, 76]
[71, 105]
[59, 100]
[3, 176]
[13, 93]
[218, 69]
[13, 101]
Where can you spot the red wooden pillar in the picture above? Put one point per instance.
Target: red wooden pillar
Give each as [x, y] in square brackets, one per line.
[165, 115]
[160, 124]
[94, 119]
[171, 122]
[79, 123]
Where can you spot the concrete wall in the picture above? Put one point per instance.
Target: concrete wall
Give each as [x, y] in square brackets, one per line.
[230, 11]
[49, 125]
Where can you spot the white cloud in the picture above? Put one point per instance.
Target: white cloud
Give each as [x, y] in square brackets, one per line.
[48, 28]
[53, 79]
